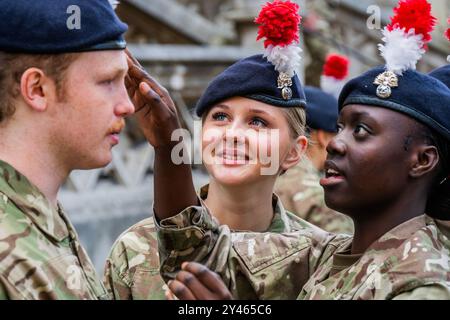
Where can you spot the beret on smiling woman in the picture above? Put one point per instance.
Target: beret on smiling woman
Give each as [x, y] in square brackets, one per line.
[47, 27]
[269, 78]
[398, 86]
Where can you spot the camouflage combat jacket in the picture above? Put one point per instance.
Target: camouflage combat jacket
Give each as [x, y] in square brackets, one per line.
[409, 262]
[132, 268]
[300, 192]
[40, 253]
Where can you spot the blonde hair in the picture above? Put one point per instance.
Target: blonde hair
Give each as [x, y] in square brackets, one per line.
[296, 118]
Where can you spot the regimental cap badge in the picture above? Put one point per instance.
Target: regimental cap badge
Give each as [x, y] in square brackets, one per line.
[279, 23]
[405, 41]
[385, 82]
[284, 83]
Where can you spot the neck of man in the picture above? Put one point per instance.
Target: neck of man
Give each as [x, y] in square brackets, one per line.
[246, 207]
[371, 224]
[31, 155]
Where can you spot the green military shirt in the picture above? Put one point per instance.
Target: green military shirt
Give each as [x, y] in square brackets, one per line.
[411, 261]
[40, 253]
[301, 193]
[132, 268]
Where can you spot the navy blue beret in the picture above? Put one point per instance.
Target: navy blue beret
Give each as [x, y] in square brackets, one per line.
[442, 74]
[418, 95]
[41, 27]
[321, 110]
[254, 78]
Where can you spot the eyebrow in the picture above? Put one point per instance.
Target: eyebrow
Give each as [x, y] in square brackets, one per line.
[357, 114]
[259, 111]
[116, 72]
[223, 106]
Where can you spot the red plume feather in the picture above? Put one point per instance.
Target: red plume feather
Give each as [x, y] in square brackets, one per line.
[414, 14]
[279, 23]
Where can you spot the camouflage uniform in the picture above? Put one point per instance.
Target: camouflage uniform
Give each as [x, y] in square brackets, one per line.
[301, 193]
[132, 268]
[409, 262]
[40, 254]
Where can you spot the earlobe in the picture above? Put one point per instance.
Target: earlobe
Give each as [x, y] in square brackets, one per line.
[32, 88]
[298, 149]
[425, 160]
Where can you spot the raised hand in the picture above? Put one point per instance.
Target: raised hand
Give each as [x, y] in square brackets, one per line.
[197, 282]
[157, 117]
[155, 110]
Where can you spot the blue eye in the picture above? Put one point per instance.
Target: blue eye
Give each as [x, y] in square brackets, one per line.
[219, 116]
[258, 122]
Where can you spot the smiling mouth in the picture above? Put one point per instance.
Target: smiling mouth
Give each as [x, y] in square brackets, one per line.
[233, 158]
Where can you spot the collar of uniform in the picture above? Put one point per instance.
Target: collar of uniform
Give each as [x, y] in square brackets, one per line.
[396, 236]
[343, 258]
[280, 221]
[32, 202]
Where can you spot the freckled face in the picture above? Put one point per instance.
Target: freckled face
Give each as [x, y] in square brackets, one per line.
[91, 116]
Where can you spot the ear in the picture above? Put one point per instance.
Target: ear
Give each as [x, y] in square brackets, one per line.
[425, 160]
[36, 89]
[298, 148]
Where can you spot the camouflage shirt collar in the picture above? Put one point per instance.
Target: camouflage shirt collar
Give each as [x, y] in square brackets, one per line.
[280, 222]
[396, 236]
[33, 203]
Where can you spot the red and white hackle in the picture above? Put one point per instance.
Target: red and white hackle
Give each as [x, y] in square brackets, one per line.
[406, 37]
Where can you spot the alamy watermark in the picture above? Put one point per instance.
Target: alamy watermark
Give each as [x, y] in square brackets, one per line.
[73, 22]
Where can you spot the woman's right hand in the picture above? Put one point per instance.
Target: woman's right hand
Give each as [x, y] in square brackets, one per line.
[155, 111]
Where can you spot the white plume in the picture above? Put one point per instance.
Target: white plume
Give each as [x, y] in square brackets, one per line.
[401, 50]
[285, 59]
[114, 3]
[331, 85]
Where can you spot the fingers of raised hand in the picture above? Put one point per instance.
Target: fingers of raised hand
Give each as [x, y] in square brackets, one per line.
[198, 289]
[209, 279]
[180, 290]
